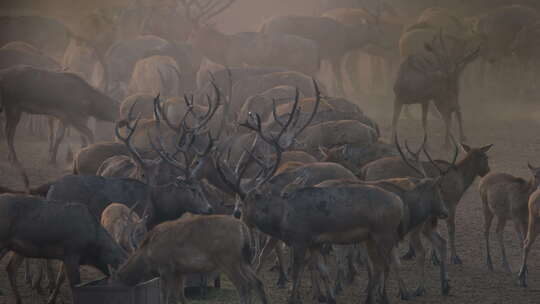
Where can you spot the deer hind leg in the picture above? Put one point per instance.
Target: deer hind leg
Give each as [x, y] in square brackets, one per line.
[375, 289]
[501, 223]
[439, 244]
[82, 128]
[60, 278]
[14, 263]
[451, 227]
[60, 133]
[398, 106]
[532, 233]
[298, 265]
[254, 282]
[240, 282]
[322, 269]
[488, 219]
[420, 251]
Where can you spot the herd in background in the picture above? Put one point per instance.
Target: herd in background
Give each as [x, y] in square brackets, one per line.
[239, 124]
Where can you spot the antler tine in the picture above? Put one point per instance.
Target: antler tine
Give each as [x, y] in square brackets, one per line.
[233, 186]
[315, 109]
[131, 210]
[291, 115]
[211, 108]
[165, 156]
[213, 9]
[127, 140]
[405, 160]
[274, 113]
[456, 151]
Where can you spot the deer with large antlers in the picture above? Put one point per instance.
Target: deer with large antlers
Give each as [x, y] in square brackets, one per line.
[307, 218]
[433, 75]
[457, 177]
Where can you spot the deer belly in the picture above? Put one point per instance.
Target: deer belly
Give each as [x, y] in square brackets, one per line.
[28, 249]
[343, 236]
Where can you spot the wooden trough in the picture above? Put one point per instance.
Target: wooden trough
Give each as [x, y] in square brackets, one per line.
[148, 292]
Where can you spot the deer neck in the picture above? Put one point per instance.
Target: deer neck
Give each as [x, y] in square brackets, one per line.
[468, 171]
[135, 270]
[531, 186]
[266, 214]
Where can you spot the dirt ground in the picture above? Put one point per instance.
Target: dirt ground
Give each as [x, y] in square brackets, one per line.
[516, 141]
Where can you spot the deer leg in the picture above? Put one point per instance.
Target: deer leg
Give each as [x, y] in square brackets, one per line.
[336, 70]
[411, 254]
[299, 263]
[282, 281]
[439, 244]
[50, 124]
[60, 133]
[180, 290]
[60, 278]
[13, 117]
[14, 263]
[459, 118]
[501, 223]
[425, 109]
[82, 128]
[420, 251]
[341, 261]
[351, 66]
[322, 269]
[451, 227]
[398, 105]
[376, 286]
[488, 219]
[532, 233]
[239, 281]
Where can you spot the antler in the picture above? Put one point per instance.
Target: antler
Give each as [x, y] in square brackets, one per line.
[452, 164]
[416, 156]
[131, 128]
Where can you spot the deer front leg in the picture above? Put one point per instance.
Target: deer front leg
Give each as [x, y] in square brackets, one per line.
[451, 227]
[440, 246]
[14, 263]
[527, 244]
[298, 266]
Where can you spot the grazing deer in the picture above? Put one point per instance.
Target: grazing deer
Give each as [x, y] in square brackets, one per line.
[191, 245]
[65, 231]
[124, 226]
[505, 196]
[433, 75]
[532, 232]
[44, 92]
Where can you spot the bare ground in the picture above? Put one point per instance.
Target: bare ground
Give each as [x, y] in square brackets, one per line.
[516, 141]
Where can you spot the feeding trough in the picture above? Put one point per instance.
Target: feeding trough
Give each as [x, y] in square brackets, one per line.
[99, 291]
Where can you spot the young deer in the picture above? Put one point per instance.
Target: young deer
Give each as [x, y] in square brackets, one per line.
[505, 196]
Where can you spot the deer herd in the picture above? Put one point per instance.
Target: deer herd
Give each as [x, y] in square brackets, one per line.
[227, 148]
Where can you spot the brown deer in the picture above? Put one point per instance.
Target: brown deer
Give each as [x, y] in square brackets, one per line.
[505, 197]
[124, 226]
[190, 245]
[433, 75]
[44, 93]
[456, 179]
[532, 232]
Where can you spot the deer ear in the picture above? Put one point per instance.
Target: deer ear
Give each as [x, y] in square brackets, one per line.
[486, 148]
[466, 148]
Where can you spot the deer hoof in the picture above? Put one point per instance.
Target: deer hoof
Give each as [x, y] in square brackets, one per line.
[420, 291]
[282, 283]
[409, 255]
[456, 260]
[523, 274]
[445, 288]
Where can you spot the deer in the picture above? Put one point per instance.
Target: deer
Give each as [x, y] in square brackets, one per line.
[531, 234]
[455, 181]
[67, 231]
[506, 197]
[156, 74]
[88, 159]
[296, 218]
[433, 75]
[423, 201]
[173, 250]
[333, 39]
[124, 226]
[44, 93]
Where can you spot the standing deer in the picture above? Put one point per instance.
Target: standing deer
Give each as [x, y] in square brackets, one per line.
[506, 197]
[44, 92]
[433, 75]
[333, 39]
[456, 179]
